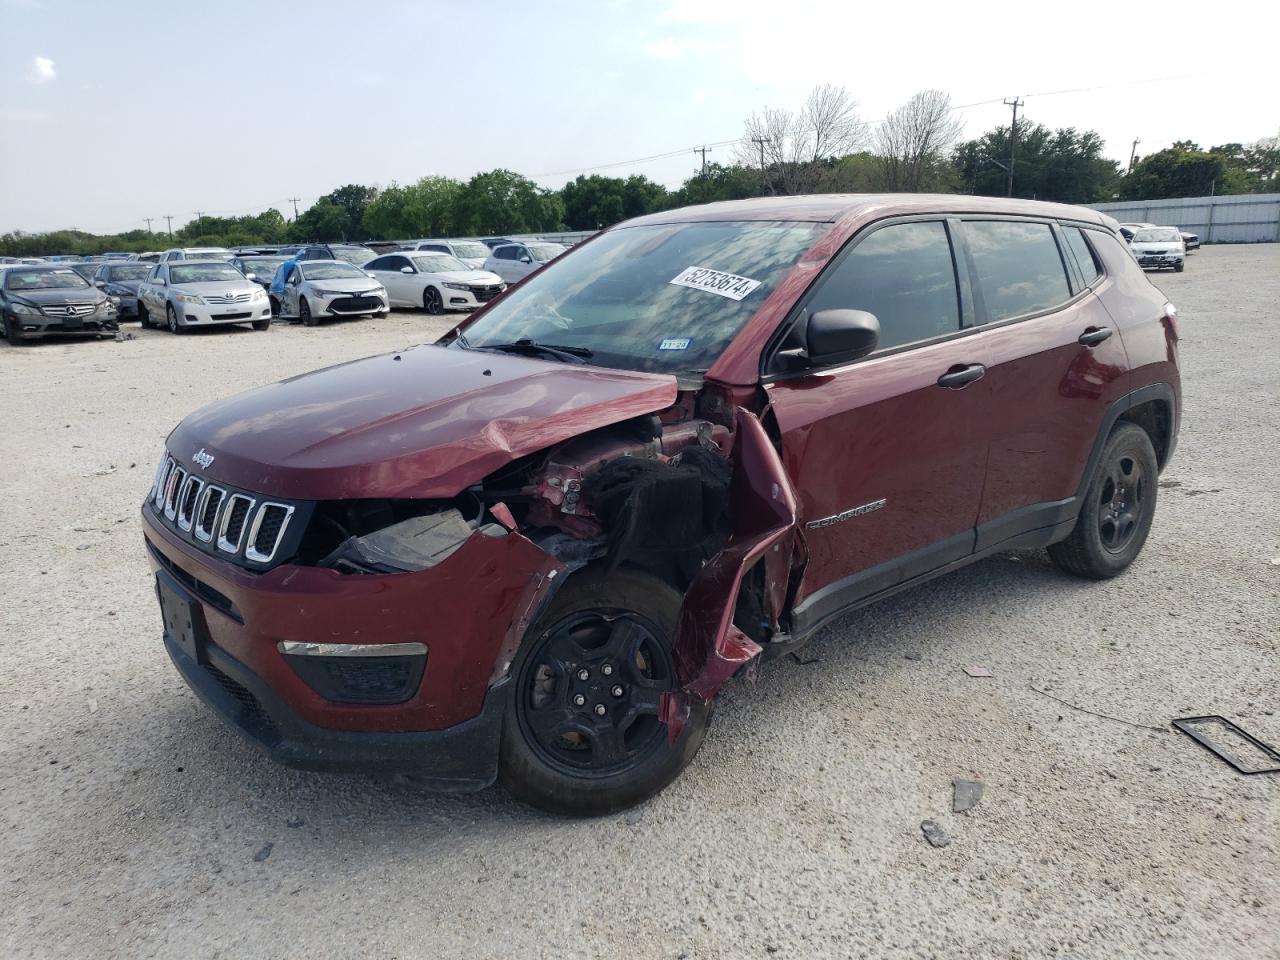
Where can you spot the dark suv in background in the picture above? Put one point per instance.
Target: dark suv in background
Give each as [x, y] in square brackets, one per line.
[537, 549]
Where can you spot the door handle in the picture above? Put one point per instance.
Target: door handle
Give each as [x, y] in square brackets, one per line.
[960, 374]
[1093, 336]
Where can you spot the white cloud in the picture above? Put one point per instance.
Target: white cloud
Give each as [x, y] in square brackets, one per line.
[666, 49]
[41, 71]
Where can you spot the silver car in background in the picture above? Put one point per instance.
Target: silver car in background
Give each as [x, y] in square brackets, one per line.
[471, 253]
[515, 261]
[314, 289]
[1159, 247]
[192, 293]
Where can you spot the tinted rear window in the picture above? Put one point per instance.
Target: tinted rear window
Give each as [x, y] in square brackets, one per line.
[905, 275]
[1089, 269]
[1019, 269]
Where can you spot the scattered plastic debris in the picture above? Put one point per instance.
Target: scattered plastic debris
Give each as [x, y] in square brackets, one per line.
[965, 795]
[934, 833]
[976, 670]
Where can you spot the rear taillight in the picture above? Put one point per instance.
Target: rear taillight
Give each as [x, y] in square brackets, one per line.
[1171, 318]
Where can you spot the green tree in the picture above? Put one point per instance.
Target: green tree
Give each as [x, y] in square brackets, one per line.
[501, 201]
[1182, 170]
[592, 202]
[324, 220]
[719, 183]
[354, 199]
[1065, 165]
[422, 209]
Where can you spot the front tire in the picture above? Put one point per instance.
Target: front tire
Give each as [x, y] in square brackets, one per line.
[262, 324]
[172, 316]
[582, 735]
[12, 334]
[1177, 267]
[432, 302]
[304, 313]
[144, 318]
[1118, 508]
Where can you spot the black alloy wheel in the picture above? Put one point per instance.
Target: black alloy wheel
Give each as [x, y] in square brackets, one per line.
[1120, 502]
[432, 302]
[304, 313]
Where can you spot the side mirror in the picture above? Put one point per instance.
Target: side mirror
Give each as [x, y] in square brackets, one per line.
[839, 336]
[370, 274]
[526, 259]
[100, 284]
[251, 276]
[162, 282]
[406, 269]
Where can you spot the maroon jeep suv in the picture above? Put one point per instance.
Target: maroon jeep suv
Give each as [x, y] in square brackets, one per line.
[535, 550]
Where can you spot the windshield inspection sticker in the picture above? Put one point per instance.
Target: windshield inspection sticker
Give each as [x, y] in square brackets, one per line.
[675, 343]
[713, 281]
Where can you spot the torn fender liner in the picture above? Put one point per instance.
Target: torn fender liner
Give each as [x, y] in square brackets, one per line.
[709, 648]
[669, 517]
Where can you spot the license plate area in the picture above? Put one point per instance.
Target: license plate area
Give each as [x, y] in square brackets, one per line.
[183, 619]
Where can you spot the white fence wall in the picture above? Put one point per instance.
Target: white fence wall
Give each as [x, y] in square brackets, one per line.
[1246, 218]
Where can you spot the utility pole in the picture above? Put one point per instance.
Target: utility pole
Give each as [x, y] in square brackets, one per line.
[1133, 154]
[294, 201]
[704, 151]
[148, 222]
[199, 218]
[169, 220]
[760, 142]
[1013, 142]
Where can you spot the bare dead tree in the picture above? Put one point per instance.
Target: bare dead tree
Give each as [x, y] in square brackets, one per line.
[795, 145]
[913, 140]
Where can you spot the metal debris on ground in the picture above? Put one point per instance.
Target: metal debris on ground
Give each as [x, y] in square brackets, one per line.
[934, 833]
[803, 660]
[1241, 749]
[263, 853]
[976, 670]
[965, 794]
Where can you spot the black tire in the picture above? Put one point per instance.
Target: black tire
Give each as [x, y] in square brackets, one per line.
[1118, 508]
[262, 324]
[1177, 267]
[556, 754]
[144, 318]
[275, 306]
[12, 334]
[171, 316]
[432, 302]
[304, 313]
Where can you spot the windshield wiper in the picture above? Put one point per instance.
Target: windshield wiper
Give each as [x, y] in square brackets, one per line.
[525, 345]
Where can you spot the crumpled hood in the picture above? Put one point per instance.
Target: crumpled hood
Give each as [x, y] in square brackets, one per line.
[59, 295]
[426, 423]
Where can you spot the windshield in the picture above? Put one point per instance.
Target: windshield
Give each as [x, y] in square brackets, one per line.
[439, 263]
[131, 272]
[209, 254]
[542, 252]
[356, 255]
[204, 273]
[1162, 235]
[334, 270]
[262, 268]
[37, 279]
[86, 270]
[471, 249]
[666, 298]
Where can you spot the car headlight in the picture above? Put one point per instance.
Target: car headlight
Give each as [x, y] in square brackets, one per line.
[24, 310]
[458, 286]
[327, 293]
[187, 298]
[258, 294]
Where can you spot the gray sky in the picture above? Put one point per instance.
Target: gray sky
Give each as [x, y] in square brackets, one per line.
[115, 111]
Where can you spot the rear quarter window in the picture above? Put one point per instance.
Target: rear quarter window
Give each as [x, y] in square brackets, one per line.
[1083, 254]
[1018, 267]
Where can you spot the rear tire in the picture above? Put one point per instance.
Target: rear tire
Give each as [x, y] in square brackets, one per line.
[581, 735]
[1118, 508]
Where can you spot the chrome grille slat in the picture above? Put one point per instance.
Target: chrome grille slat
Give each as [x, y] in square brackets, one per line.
[207, 510]
[187, 500]
[228, 298]
[177, 477]
[226, 544]
[252, 550]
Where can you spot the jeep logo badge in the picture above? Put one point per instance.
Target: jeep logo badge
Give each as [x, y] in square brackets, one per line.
[202, 459]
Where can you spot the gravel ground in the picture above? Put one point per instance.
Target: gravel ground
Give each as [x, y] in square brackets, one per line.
[133, 825]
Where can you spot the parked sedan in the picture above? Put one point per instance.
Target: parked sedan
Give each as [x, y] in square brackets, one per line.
[352, 253]
[434, 281]
[259, 269]
[515, 261]
[1190, 240]
[52, 301]
[473, 253]
[1159, 247]
[208, 293]
[330, 288]
[120, 279]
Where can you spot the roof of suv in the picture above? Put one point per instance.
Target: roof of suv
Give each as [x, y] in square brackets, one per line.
[830, 207]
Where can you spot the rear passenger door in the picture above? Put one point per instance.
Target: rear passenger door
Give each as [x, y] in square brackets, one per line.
[888, 462]
[1055, 363]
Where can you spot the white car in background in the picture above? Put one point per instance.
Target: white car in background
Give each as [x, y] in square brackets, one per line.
[1159, 247]
[314, 289]
[434, 281]
[515, 261]
[196, 253]
[471, 252]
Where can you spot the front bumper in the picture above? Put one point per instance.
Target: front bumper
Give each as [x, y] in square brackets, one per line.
[126, 307]
[211, 315]
[36, 327]
[349, 305]
[1159, 259]
[470, 611]
[469, 299]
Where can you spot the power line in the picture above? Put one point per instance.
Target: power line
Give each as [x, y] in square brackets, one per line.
[625, 163]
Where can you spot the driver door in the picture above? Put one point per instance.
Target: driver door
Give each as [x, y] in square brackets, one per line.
[291, 284]
[887, 453]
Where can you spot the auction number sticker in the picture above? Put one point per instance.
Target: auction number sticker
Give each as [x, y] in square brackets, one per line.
[722, 284]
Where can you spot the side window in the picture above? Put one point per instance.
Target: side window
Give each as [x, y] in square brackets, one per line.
[295, 275]
[154, 276]
[378, 263]
[1088, 263]
[904, 274]
[399, 263]
[1019, 269]
[504, 253]
[436, 247]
